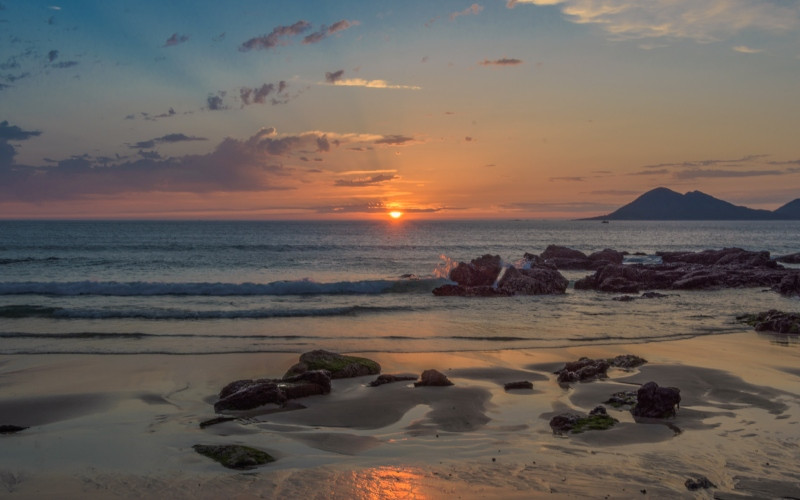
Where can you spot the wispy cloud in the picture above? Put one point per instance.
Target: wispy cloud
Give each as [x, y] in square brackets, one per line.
[336, 79]
[365, 181]
[326, 31]
[258, 95]
[165, 139]
[702, 21]
[473, 9]
[567, 179]
[276, 37]
[505, 61]
[711, 173]
[176, 39]
[744, 49]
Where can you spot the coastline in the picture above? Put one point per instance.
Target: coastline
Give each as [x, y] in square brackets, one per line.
[123, 426]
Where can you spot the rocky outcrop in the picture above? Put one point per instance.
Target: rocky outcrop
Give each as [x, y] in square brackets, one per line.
[522, 384]
[487, 277]
[249, 394]
[793, 258]
[339, 365]
[234, 456]
[390, 379]
[653, 401]
[698, 483]
[773, 321]
[709, 269]
[569, 258]
[432, 378]
[575, 423]
[590, 369]
[11, 429]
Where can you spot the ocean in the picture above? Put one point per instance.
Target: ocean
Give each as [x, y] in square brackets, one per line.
[209, 287]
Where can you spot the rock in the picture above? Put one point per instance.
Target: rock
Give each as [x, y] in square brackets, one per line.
[626, 361]
[575, 423]
[234, 456]
[215, 421]
[389, 379]
[653, 401]
[701, 482]
[11, 429]
[622, 399]
[653, 295]
[606, 256]
[523, 384]
[709, 269]
[485, 277]
[249, 394]
[246, 397]
[432, 378]
[482, 271]
[625, 298]
[536, 280]
[339, 366]
[772, 321]
[583, 369]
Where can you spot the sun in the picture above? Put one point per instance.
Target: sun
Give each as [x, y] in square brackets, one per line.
[395, 214]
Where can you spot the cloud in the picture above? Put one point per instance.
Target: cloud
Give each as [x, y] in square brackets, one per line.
[64, 64]
[258, 95]
[52, 55]
[176, 39]
[168, 139]
[501, 62]
[372, 84]
[744, 160]
[333, 77]
[14, 133]
[660, 171]
[372, 208]
[702, 21]
[394, 140]
[276, 37]
[473, 9]
[550, 207]
[746, 50]
[367, 181]
[326, 31]
[568, 179]
[215, 101]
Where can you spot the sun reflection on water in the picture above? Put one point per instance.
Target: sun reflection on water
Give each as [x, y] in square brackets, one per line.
[389, 483]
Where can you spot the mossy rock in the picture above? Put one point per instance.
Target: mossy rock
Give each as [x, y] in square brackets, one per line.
[594, 423]
[339, 365]
[235, 456]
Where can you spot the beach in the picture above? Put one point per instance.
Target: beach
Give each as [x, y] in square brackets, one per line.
[124, 426]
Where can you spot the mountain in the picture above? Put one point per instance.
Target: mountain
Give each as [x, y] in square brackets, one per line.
[789, 211]
[664, 204]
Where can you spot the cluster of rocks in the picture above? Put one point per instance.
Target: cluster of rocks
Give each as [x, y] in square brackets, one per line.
[772, 321]
[569, 258]
[591, 369]
[706, 270]
[575, 423]
[487, 277]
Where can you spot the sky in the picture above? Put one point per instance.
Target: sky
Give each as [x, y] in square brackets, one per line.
[352, 109]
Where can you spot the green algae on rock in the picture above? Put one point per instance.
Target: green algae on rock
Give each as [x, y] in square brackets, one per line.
[234, 456]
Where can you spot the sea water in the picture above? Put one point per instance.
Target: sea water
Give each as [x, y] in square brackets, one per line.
[178, 287]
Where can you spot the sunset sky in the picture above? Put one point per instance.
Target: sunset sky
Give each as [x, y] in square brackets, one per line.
[352, 109]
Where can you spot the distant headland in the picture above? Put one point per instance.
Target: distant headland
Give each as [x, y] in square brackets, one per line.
[664, 204]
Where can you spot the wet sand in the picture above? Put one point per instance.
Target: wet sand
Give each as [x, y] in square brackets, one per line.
[123, 427]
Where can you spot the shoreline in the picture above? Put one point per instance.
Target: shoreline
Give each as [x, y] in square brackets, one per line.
[123, 426]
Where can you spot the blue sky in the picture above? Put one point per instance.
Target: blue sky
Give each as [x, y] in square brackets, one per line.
[310, 109]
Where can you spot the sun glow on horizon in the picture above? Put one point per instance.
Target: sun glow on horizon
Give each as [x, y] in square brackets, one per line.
[395, 214]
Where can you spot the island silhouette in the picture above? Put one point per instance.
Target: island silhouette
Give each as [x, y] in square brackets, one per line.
[665, 204]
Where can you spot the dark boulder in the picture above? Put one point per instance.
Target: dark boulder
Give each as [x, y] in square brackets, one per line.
[249, 394]
[626, 361]
[773, 321]
[793, 258]
[390, 379]
[789, 284]
[482, 271]
[11, 429]
[234, 456]
[606, 256]
[536, 280]
[574, 423]
[522, 384]
[339, 365]
[565, 258]
[653, 401]
[432, 378]
[582, 370]
[469, 291]
[702, 482]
